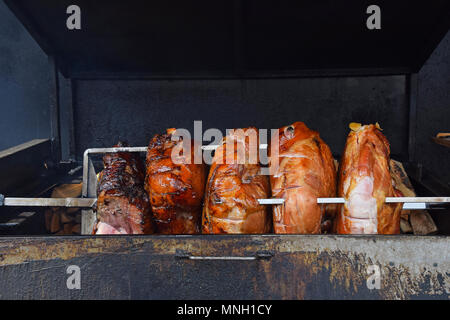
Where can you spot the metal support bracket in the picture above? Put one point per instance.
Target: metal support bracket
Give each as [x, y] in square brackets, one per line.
[89, 190]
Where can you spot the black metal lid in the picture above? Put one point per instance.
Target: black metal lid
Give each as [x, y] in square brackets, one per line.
[235, 38]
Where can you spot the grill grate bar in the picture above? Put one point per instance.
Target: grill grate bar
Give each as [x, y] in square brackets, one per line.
[409, 203]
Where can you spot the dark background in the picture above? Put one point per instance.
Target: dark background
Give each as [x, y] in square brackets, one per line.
[106, 110]
[24, 102]
[135, 110]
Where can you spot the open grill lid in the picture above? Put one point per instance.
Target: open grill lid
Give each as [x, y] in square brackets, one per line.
[222, 38]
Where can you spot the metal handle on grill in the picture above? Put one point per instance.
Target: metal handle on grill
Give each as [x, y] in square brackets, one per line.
[259, 255]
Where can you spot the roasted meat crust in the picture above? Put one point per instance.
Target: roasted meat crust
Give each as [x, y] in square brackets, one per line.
[365, 181]
[305, 172]
[123, 205]
[175, 189]
[234, 186]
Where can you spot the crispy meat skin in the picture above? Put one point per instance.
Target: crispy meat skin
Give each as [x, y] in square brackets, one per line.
[365, 182]
[175, 190]
[305, 172]
[233, 189]
[123, 206]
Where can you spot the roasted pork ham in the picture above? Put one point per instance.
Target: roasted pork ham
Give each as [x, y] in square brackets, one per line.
[175, 184]
[305, 172]
[365, 182]
[234, 186]
[123, 206]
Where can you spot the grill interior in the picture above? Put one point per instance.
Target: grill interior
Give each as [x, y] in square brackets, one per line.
[245, 69]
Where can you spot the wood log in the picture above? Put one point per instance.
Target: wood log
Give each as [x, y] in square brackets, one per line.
[68, 228]
[72, 211]
[442, 138]
[401, 180]
[55, 224]
[48, 219]
[443, 135]
[65, 218]
[76, 229]
[67, 191]
[422, 223]
[405, 226]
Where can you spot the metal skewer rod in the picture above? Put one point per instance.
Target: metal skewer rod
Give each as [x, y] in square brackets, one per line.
[144, 149]
[115, 149]
[271, 201]
[409, 203]
[394, 200]
[215, 146]
[388, 200]
[49, 202]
